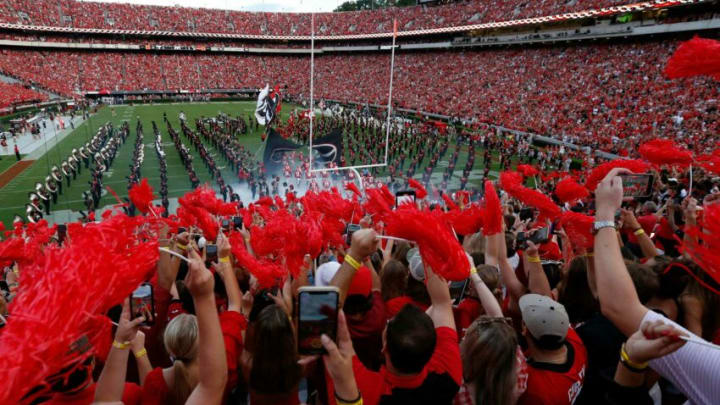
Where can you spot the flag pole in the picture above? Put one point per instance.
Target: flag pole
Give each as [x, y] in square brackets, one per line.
[392, 68]
[312, 74]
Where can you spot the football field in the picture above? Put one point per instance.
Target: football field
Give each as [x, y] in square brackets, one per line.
[14, 195]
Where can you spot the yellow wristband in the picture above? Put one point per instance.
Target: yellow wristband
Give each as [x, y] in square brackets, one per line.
[534, 259]
[352, 262]
[141, 353]
[121, 346]
[473, 270]
[340, 401]
[590, 254]
[225, 259]
[181, 247]
[626, 360]
[639, 232]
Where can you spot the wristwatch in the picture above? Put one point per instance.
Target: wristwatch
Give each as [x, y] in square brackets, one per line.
[598, 225]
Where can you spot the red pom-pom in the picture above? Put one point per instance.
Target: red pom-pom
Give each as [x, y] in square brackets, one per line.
[527, 170]
[352, 187]
[265, 201]
[268, 273]
[711, 162]
[142, 196]
[492, 211]
[699, 56]
[578, 228]
[449, 203]
[420, 191]
[706, 252]
[568, 190]
[664, 152]
[599, 172]
[376, 204]
[438, 246]
[464, 222]
[512, 183]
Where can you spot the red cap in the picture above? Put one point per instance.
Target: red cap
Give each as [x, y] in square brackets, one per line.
[361, 282]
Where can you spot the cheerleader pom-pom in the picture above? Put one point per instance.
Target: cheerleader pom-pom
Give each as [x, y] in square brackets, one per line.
[568, 190]
[420, 191]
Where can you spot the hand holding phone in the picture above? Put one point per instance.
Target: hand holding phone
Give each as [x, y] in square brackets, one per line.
[404, 197]
[637, 185]
[318, 315]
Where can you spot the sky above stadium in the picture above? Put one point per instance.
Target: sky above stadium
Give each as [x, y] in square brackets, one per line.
[243, 5]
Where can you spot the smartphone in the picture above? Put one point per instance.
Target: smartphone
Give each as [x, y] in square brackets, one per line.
[226, 225]
[237, 222]
[318, 314]
[404, 197]
[62, 232]
[211, 254]
[142, 303]
[526, 213]
[457, 290]
[349, 230]
[181, 229]
[540, 236]
[637, 185]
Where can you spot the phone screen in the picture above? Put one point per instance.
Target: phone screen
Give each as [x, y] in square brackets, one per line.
[237, 222]
[541, 236]
[211, 254]
[637, 185]
[318, 313]
[457, 290]
[404, 197]
[181, 230]
[62, 232]
[226, 225]
[349, 230]
[142, 303]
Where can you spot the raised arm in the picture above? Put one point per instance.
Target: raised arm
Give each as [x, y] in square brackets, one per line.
[212, 362]
[364, 243]
[618, 299]
[646, 245]
[441, 309]
[537, 280]
[111, 383]
[487, 299]
[496, 255]
[225, 269]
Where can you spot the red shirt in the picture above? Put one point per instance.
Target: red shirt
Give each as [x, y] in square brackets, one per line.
[394, 305]
[366, 333]
[155, 389]
[557, 384]
[438, 383]
[466, 313]
[647, 222]
[131, 396]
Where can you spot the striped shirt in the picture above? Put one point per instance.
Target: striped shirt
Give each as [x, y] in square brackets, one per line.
[693, 369]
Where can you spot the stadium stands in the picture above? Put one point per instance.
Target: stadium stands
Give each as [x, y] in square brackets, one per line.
[11, 93]
[588, 94]
[71, 13]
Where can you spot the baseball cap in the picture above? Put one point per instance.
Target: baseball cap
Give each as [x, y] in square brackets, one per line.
[544, 316]
[325, 272]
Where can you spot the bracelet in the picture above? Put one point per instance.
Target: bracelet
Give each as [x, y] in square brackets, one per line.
[352, 262]
[534, 259]
[141, 353]
[591, 254]
[181, 246]
[639, 232]
[225, 259]
[121, 346]
[473, 270]
[340, 401]
[634, 367]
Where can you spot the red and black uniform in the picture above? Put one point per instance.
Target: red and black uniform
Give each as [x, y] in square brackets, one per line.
[437, 384]
[557, 384]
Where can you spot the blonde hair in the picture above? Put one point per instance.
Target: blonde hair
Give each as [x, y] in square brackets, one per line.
[180, 341]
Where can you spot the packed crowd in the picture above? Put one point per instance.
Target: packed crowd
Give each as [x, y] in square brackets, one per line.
[527, 296]
[82, 14]
[14, 94]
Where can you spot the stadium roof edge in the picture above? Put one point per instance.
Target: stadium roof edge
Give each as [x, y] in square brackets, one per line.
[603, 12]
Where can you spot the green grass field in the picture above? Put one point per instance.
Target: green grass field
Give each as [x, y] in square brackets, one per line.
[13, 196]
[6, 162]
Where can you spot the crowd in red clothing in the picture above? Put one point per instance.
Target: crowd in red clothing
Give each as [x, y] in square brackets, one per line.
[609, 96]
[13, 93]
[84, 14]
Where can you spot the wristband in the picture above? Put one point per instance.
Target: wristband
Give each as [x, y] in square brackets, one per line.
[639, 232]
[591, 254]
[352, 262]
[141, 353]
[340, 401]
[625, 359]
[534, 259]
[181, 246]
[121, 346]
[225, 259]
[473, 270]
